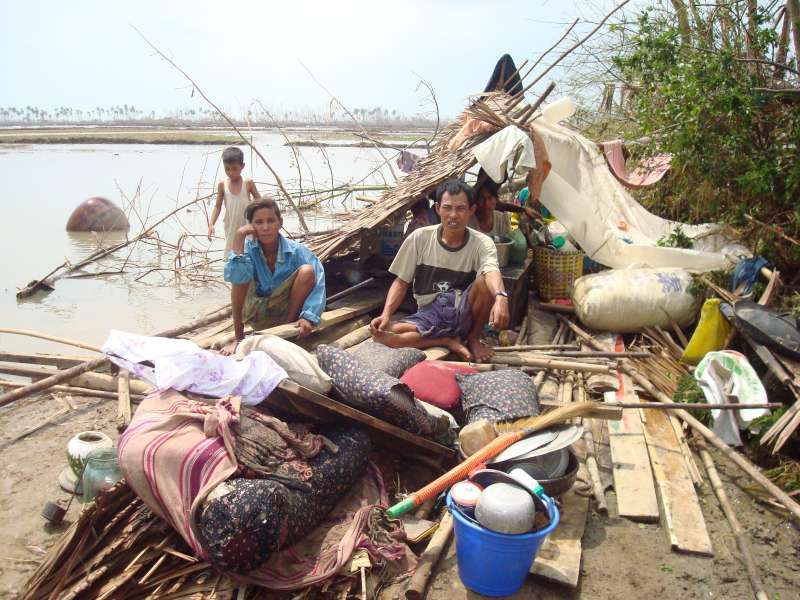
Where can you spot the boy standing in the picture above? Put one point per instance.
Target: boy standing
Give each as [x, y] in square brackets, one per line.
[236, 192]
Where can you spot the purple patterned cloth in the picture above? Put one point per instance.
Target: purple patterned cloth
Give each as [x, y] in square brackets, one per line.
[449, 315]
[184, 366]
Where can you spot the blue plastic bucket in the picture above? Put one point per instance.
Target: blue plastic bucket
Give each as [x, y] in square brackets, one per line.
[495, 564]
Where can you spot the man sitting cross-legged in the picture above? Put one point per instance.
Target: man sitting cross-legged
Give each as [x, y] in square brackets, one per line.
[456, 282]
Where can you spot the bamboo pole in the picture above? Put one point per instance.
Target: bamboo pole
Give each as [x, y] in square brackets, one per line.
[693, 405]
[526, 347]
[58, 377]
[738, 532]
[96, 381]
[548, 363]
[555, 353]
[66, 375]
[591, 458]
[69, 389]
[429, 558]
[62, 361]
[124, 411]
[353, 338]
[51, 338]
[736, 458]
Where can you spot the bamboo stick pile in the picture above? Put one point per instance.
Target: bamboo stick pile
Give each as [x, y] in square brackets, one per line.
[117, 548]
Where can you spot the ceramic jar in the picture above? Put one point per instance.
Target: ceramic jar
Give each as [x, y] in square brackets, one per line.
[81, 445]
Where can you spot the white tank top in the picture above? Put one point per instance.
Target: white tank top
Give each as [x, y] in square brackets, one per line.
[235, 205]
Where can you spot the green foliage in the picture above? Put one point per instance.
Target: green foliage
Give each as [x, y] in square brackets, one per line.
[688, 391]
[698, 287]
[735, 147]
[762, 424]
[793, 304]
[786, 475]
[676, 239]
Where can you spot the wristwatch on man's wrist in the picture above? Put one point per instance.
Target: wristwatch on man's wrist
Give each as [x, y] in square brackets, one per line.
[503, 294]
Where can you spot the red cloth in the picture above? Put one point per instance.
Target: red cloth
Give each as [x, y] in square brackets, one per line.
[434, 382]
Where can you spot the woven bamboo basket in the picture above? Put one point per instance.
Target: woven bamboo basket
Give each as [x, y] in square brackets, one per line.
[555, 272]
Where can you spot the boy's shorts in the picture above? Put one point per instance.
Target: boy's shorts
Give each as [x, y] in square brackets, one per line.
[265, 312]
[449, 315]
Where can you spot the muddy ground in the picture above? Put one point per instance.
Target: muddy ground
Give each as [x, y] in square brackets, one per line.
[621, 559]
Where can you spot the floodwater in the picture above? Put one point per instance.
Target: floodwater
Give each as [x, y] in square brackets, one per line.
[42, 184]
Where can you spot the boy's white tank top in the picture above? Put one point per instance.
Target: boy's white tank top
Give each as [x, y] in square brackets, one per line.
[235, 206]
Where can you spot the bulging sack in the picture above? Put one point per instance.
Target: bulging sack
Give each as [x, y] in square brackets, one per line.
[628, 300]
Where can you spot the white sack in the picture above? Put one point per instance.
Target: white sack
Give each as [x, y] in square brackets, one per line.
[727, 377]
[300, 366]
[626, 300]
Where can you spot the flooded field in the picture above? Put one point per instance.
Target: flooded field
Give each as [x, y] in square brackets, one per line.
[42, 184]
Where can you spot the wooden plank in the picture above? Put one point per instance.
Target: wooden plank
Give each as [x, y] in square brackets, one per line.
[206, 338]
[683, 517]
[356, 308]
[62, 361]
[633, 475]
[304, 394]
[329, 317]
[559, 558]
[688, 457]
[437, 353]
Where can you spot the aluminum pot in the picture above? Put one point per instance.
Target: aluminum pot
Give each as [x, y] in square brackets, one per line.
[558, 485]
[503, 244]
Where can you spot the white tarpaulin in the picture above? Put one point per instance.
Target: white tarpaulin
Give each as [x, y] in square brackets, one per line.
[610, 226]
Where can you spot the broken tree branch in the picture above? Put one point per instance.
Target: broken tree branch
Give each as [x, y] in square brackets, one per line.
[570, 50]
[31, 287]
[277, 177]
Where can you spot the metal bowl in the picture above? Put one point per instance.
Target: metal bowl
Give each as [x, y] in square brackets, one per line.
[558, 485]
[505, 508]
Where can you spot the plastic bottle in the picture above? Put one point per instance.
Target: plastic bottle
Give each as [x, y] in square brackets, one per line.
[559, 237]
[528, 482]
[561, 109]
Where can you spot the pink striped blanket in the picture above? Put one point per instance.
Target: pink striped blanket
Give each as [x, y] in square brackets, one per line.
[649, 172]
[177, 450]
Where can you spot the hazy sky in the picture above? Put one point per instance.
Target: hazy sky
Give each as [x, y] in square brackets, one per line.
[84, 53]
